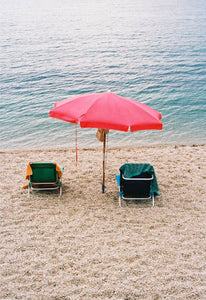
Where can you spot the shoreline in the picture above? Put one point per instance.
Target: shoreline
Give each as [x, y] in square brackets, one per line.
[84, 246]
[100, 147]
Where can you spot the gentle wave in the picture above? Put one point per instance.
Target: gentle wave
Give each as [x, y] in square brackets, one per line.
[150, 51]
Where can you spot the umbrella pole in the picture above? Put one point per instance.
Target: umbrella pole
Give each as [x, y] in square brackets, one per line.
[104, 149]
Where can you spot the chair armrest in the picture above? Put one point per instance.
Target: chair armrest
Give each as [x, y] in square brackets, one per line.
[118, 180]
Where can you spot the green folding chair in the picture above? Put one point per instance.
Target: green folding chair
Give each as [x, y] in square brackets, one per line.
[45, 177]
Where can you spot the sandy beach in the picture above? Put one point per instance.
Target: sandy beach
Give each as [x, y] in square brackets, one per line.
[84, 246]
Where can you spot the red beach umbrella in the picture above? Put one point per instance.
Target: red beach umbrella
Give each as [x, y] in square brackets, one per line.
[107, 111]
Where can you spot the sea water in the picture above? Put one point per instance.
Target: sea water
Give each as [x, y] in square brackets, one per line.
[152, 51]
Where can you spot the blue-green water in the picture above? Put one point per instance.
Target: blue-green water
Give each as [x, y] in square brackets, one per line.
[151, 51]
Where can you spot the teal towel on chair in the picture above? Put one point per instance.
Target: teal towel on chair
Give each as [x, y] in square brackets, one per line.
[130, 170]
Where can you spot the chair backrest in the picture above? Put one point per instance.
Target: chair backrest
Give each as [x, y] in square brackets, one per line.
[43, 173]
[137, 186]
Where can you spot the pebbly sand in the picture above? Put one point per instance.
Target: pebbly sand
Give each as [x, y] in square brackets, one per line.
[84, 246]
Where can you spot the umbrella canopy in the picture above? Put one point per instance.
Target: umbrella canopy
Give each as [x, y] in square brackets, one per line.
[107, 111]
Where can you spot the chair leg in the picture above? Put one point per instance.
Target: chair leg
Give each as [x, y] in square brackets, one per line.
[120, 201]
[29, 191]
[152, 200]
[60, 190]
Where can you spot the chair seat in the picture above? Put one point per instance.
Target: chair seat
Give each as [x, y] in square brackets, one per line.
[137, 186]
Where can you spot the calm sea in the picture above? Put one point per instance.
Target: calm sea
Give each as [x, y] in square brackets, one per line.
[153, 51]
